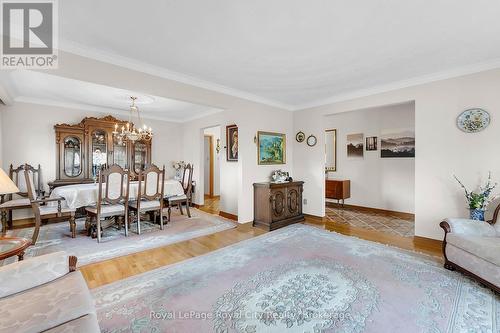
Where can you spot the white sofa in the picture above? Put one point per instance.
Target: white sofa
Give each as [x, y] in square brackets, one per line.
[45, 294]
[473, 247]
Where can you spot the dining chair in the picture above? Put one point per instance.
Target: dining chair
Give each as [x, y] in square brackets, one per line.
[149, 195]
[8, 203]
[112, 199]
[178, 200]
[44, 211]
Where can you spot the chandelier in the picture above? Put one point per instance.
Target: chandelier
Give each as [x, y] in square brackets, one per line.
[128, 131]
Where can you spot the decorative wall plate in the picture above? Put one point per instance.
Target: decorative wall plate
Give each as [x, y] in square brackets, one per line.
[473, 120]
[300, 136]
[311, 140]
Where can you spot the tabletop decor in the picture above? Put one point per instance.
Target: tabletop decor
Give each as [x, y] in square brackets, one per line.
[478, 202]
[473, 120]
[279, 176]
[232, 143]
[311, 140]
[271, 148]
[179, 168]
[300, 136]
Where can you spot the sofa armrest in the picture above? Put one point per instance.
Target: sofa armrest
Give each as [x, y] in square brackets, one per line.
[468, 227]
[32, 272]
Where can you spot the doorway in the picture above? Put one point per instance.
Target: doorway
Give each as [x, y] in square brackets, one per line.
[211, 169]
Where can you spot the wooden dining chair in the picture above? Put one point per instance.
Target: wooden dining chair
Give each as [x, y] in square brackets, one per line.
[178, 200]
[112, 199]
[149, 195]
[44, 211]
[8, 204]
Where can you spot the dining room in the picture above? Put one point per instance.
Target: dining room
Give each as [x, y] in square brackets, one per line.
[103, 167]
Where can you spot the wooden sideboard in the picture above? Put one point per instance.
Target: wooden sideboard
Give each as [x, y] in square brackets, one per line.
[277, 204]
[338, 189]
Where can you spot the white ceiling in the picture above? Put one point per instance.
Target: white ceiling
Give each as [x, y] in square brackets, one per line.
[290, 53]
[36, 87]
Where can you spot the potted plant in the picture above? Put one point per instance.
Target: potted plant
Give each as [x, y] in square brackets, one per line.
[478, 202]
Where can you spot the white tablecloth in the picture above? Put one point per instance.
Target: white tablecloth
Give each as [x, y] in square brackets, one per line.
[83, 195]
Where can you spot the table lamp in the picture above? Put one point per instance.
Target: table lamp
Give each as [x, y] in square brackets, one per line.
[7, 186]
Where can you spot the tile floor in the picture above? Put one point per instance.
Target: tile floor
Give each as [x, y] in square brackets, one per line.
[383, 222]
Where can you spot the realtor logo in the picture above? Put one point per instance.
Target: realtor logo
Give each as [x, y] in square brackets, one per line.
[29, 34]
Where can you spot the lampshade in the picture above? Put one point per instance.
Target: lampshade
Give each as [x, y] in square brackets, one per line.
[7, 186]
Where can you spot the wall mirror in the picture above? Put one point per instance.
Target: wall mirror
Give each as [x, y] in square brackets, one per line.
[331, 150]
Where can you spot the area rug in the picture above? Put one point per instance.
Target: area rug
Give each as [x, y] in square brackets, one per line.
[57, 237]
[299, 279]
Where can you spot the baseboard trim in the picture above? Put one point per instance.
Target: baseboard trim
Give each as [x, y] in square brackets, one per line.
[228, 216]
[373, 210]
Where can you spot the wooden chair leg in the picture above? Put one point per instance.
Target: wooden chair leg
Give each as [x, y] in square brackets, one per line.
[98, 222]
[187, 209]
[10, 219]
[126, 222]
[161, 217]
[169, 212]
[180, 208]
[72, 225]
[4, 221]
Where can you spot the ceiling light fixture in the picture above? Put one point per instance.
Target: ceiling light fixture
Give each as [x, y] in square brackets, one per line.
[128, 131]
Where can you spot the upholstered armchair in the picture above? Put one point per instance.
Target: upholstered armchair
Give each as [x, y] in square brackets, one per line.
[473, 247]
[45, 293]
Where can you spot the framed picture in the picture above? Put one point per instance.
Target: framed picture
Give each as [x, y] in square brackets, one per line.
[371, 143]
[271, 148]
[355, 145]
[397, 143]
[232, 143]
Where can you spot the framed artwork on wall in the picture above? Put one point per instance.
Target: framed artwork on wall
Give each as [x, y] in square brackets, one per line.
[232, 143]
[371, 143]
[271, 148]
[355, 145]
[397, 143]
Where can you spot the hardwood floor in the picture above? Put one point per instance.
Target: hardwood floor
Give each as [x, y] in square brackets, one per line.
[108, 271]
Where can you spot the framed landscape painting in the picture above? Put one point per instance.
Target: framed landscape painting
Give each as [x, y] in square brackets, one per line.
[355, 145]
[271, 148]
[397, 143]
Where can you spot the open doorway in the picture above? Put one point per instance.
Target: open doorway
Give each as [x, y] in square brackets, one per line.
[211, 168]
[370, 169]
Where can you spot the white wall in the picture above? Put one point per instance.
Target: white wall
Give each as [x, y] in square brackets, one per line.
[215, 132]
[237, 178]
[27, 131]
[441, 148]
[384, 183]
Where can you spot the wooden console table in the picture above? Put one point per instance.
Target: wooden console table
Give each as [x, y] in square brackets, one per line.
[277, 204]
[338, 189]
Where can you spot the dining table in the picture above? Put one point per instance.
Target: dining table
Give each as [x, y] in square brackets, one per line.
[83, 195]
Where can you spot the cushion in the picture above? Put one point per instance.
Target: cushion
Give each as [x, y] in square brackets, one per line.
[146, 205]
[177, 197]
[32, 272]
[46, 306]
[471, 227]
[108, 210]
[16, 202]
[47, 210]
[487, 248]
[85, 324]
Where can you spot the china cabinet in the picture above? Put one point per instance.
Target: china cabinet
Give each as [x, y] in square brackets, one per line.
[85, 147]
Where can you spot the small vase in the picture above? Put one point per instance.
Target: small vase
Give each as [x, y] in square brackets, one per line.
[477, 214]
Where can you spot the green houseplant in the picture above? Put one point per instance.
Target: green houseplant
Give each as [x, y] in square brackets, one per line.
[479, 201]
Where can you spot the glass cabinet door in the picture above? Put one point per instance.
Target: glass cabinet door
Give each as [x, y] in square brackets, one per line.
[72, 156]
[140, 156]
[119, 152]
[99, 151]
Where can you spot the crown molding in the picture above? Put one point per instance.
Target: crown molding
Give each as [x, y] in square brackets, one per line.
[118, 112]
[115, 59]
[416, 81]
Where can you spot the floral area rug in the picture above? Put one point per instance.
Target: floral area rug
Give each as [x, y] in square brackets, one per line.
[57, 237]
[299, 279]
